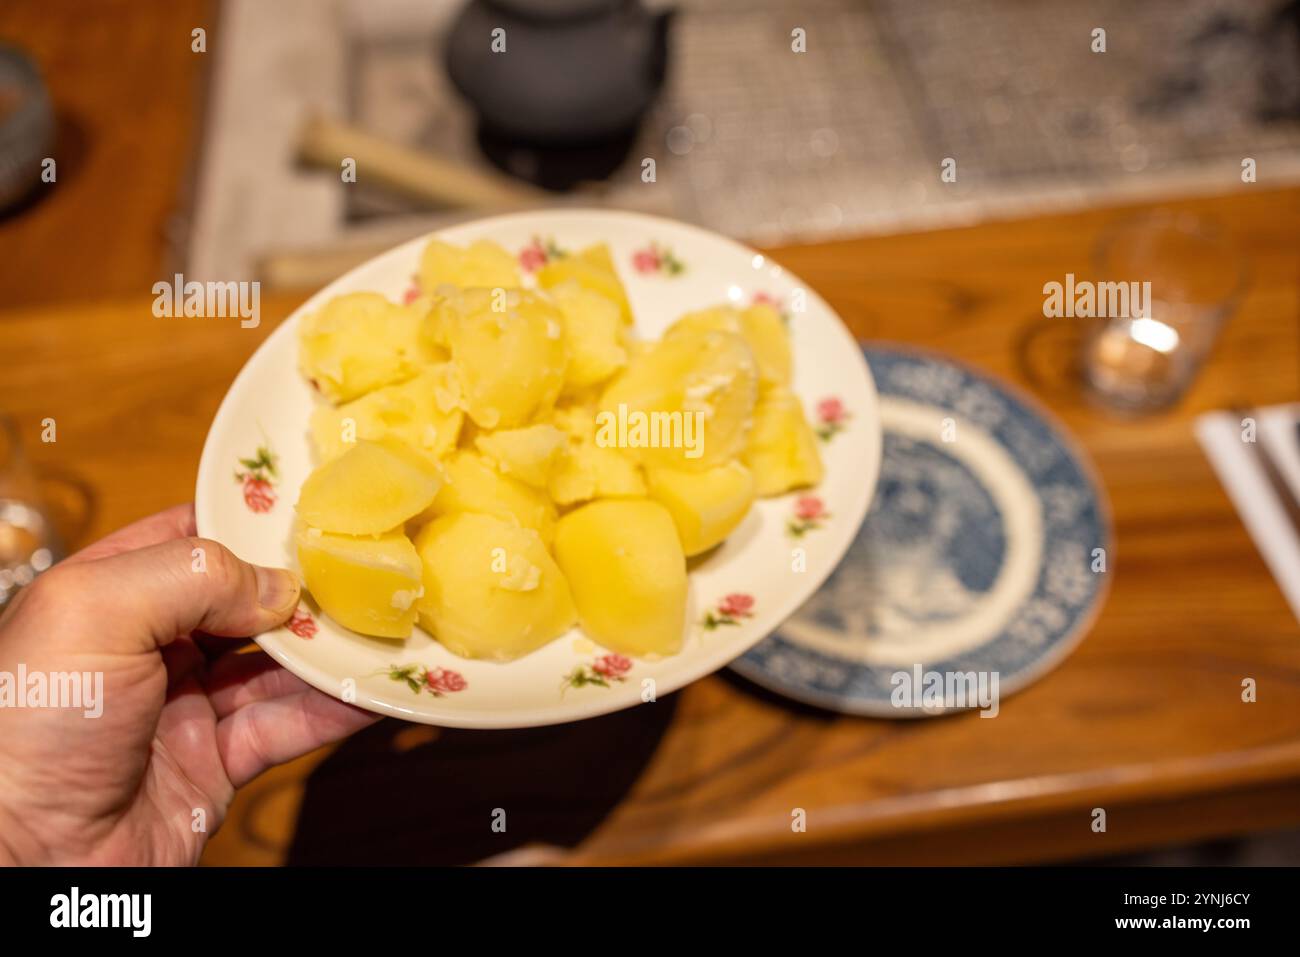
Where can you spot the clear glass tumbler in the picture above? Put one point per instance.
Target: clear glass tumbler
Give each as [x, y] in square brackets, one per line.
[1145, 360]
[29, 543]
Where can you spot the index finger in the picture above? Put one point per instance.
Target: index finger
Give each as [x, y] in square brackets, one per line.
[174, 522]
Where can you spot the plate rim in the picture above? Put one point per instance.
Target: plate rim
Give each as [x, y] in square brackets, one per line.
[709, 662]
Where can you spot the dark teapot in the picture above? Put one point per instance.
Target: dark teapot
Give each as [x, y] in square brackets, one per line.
[558, 73]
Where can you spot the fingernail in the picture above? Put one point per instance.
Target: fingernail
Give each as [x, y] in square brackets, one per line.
[277, 589]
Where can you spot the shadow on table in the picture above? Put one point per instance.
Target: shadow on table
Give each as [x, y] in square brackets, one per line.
[429, 795]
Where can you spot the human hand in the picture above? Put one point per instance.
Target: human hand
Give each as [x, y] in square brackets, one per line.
[184, 720]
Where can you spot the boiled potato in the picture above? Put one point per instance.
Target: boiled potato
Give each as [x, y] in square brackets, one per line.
[527, 454]
[592, 269]
[764, 330]
[684, 404]
[366, 583]
[626, 569]
[423, 412]
[468, 417]
[782, 449]
[509, 352]
[761, 327]
[471, 484]
[491, 590]
[595, 335]
[705, 506]
[584, 470]
[371, 488]
[482, 263]
[359, 342]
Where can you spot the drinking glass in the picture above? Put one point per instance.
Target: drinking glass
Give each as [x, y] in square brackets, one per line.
[29, 543]
[1146, 360]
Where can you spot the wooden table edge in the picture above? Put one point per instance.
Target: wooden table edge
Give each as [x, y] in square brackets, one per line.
[894, 818]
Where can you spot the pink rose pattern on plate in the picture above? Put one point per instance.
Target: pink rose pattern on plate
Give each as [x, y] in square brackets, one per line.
[538, 253]
[832, 418]
[730, 611]
[767, 299]
[258, 476]
[435, 681]
[605, 671]
[809, 514]
[657, 259]
[302, 624]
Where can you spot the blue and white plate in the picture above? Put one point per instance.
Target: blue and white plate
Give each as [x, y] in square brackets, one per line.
[978, 569]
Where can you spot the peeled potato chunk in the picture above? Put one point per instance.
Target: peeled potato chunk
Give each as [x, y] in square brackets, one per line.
[482, 263]
[761, 327]
[782, 450]
[685, 404]
[369, 489]
[526, 454]
[509, 352]
[627, 572]
[584, 470]
[499, 461]
[592, 269]
[594, 331]
[765, 331]
[491, 590]
[705, 506]
[424, 413]
[359, 342]
[368, 584]
[471, 484]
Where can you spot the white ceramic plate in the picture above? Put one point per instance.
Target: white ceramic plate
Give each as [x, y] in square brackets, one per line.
[739, 592]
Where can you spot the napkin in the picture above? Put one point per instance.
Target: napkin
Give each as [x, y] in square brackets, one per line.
[1224, 436]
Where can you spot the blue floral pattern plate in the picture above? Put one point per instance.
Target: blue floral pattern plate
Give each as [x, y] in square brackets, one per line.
[984, 553]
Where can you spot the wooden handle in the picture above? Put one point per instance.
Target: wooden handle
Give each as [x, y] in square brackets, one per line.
[328, 143]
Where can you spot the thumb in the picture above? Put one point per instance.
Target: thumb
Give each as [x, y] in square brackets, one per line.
[184, 585]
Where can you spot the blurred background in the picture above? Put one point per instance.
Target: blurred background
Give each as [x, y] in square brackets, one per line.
[212, 162]
[207, 137]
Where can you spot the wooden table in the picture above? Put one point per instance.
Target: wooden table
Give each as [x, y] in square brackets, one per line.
[128, 94]
[1145, 719]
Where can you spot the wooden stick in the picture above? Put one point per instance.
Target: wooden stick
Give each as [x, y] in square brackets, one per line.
[327, 143]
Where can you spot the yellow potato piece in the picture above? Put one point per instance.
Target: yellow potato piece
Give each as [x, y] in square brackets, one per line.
[705, 506]
[422, 412]
[584, 470]
[764, 330]
[470, 415]
[782, 449]
[627, 572]
[685, 404]
[473, 485]
[359, 342]
[491, 590]
[368, 584]
[592, 269]
[482, 263]
[509, 353]
[527, 454]
[759, 325]
[369, 489]
[595, 334]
